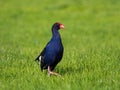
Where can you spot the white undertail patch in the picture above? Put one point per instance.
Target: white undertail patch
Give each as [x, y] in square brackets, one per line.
[40, 59]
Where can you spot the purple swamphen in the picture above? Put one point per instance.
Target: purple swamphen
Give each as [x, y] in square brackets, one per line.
[52, 54]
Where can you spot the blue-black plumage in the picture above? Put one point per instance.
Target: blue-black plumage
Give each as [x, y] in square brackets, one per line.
[52, 54]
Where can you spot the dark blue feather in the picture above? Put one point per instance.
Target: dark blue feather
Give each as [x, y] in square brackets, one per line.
[53, 52]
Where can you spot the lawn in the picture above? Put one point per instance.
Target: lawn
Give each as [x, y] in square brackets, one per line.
[91, 40]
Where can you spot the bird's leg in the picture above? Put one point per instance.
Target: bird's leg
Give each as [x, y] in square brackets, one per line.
[49, 70]
[52, 73]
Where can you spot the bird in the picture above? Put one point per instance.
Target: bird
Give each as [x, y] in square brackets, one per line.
[52, 53]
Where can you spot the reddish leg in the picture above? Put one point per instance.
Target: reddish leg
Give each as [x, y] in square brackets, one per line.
[52, 73]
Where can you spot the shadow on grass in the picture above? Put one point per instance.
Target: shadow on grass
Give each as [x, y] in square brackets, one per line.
[70, 70]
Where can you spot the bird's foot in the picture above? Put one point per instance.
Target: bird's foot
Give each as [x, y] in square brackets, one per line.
[53, 73]
[50, 72]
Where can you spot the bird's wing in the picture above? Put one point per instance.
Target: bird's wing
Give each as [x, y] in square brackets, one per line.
[41, 57]
[42, 54]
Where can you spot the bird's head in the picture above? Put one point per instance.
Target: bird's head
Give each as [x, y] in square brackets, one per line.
[57, 26]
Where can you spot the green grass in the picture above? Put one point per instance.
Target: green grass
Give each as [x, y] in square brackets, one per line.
[91, 40]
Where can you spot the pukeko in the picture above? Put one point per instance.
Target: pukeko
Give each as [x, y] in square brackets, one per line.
[52, 54]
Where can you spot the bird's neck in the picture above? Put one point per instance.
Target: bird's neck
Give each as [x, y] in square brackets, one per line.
[55, 33]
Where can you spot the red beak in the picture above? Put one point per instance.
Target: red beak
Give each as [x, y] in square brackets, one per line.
[61, 26]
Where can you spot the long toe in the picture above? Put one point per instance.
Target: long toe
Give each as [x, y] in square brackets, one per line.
[54, 73]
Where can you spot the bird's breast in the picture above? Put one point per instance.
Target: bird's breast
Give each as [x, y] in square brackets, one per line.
[54, 52]
[55, 46]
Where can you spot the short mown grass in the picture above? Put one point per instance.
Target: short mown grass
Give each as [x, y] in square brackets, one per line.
[91, 39]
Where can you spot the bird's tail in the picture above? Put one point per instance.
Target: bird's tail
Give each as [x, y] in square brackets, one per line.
[37, 59]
